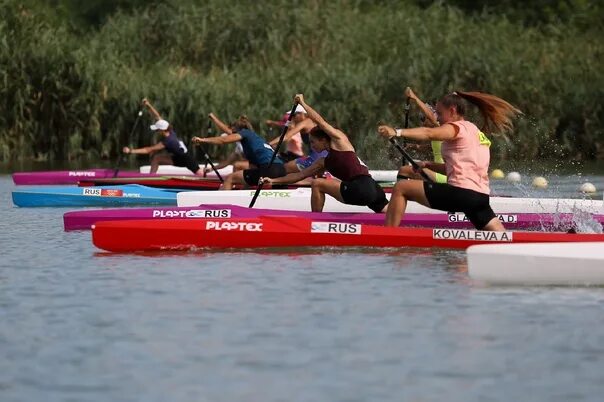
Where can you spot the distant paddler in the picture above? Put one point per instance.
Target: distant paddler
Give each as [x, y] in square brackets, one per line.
[302, 126]
[256, 150]
[428, 119]
[466, 160]
[294, 142]
[355, 186]
[176, 152]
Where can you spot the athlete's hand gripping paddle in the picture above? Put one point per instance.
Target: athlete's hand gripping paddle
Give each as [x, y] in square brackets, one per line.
[207, 156]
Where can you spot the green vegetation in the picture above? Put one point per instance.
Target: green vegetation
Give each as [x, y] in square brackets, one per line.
[72, 78]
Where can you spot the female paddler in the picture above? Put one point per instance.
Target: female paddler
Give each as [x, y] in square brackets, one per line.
[301, 125]
[177, 153]
[466, 160]
[256, 150]
[355, 186]
[428, 119]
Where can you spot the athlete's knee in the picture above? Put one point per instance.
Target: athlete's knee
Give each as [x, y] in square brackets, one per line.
[317, 184]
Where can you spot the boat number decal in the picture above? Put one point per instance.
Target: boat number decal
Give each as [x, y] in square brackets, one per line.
[330, 227]
[91, 191]
[475, 235]
[97, 192]
[240, 226]
[79, 174]
[463, 218]
[192, 213]
[273, 194]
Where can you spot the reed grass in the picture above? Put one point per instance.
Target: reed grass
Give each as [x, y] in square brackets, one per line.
[68, 92]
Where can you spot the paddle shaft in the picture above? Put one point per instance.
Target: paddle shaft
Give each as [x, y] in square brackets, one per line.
[408, 157]
[207, 156]
[407, 109]
[120, 156]
[281, 137]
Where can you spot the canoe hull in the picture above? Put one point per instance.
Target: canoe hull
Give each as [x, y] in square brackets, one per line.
[98, 196]
[278, 232]
[83, 220]
[547, 264]
[299, 200]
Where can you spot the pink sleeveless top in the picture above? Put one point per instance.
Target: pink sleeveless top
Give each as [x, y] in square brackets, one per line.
[294, 145]
[466, 160]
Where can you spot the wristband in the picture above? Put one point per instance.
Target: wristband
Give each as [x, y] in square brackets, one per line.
[399, 132]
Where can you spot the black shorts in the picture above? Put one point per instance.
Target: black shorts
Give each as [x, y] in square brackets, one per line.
[363, 190]
[289, 156]
[252, 176]
[186, 160]
[449, 198]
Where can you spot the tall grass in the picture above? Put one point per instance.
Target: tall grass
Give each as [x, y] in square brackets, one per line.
[67, 92]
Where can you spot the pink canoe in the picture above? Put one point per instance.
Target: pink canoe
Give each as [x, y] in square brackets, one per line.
[69, 176]
[83, 220]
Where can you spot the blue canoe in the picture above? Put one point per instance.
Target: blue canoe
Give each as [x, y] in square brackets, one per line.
[104, 196]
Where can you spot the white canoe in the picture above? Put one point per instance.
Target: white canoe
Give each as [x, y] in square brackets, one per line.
[378, 175]
[171, 170]
[537, 264]
[299, 200]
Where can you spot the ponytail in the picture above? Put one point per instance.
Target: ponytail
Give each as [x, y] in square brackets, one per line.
[496, 112]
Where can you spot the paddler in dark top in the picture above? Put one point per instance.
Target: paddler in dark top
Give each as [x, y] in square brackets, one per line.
[255, 149]
[176, 152]
[355, 186]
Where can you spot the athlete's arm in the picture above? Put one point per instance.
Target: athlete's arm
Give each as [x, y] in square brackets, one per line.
[338, 137]
[291, 131]
[315, 168]
[424, 108]
[220, 124]
[145, 150]
[221, 140]
[153, 111]
[445, 132]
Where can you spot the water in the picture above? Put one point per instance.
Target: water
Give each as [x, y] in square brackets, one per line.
[361, 325]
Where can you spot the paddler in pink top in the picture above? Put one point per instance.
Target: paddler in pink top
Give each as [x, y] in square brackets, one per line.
[466, 160]
[293, 140]
[353, 184]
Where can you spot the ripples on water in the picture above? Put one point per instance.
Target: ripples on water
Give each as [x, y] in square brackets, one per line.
[360, 325]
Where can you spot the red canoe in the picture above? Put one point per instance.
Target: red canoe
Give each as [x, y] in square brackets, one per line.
[279, 231]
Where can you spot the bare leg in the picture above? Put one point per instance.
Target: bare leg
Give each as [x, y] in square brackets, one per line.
[240, 165]
[320, 187]
[403, 191]
[494, 225]
[160, 159]
[235, 178]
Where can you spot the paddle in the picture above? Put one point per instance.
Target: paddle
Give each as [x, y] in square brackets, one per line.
[283, 131]
[120, 156]
[207, 157]
[416, 167]
[398, 146]
[407, 109]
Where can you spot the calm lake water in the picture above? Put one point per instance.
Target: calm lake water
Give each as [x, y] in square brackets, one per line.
[322, 325]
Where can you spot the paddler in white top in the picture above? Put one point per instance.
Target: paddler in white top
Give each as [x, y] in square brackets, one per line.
[177, 153]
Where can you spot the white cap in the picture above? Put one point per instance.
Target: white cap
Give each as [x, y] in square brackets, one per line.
[160, 125]
[299, 109]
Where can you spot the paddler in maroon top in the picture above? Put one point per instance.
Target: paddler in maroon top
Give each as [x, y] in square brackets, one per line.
[355, 186]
